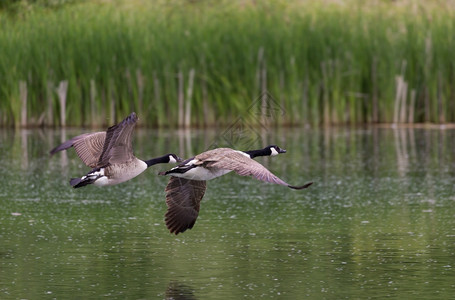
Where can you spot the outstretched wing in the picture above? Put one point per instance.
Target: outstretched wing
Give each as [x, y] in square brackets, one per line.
[183, 197]
[245, 166]
[118, 147]
[88, 147]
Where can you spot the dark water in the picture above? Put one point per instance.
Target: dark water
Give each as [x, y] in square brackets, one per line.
[378, 222]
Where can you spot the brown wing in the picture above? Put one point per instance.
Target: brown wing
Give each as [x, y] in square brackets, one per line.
[118, 147]
[183, 197]
[88, 147]
[245, 166]
[214, 154]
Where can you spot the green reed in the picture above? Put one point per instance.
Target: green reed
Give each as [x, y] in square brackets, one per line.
[324, 63]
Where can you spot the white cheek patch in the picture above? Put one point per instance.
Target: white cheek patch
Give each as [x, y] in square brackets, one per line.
[274, 152]
[172, 160]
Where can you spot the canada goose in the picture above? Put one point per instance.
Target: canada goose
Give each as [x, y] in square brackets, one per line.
[110, 155]
[187, 184]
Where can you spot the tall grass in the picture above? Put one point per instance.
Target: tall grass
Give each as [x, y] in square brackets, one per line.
[325, 63]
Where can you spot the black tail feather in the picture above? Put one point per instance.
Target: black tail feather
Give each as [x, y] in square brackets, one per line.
[75, 181]
[178, 170]
[300, 187]
[78, 182]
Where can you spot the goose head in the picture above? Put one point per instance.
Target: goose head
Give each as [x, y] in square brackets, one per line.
[275, 150]
[174, 158]
[270, 150]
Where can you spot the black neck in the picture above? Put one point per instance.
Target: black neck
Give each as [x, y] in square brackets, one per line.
[260, 152]
[158, 160]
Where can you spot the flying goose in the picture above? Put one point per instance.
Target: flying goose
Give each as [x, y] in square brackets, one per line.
[187, 184]
[110, 155]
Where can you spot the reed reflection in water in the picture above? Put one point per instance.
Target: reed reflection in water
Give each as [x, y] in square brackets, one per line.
[378, 221]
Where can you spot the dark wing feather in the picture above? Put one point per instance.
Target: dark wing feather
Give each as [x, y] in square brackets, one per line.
[245, 166]
[118, 147]
[183, 197]
[88, 147]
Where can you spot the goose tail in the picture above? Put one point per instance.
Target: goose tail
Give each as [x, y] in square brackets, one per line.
[83, 181]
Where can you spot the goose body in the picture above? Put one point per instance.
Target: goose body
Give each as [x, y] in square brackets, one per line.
[199, 168]
[187, 184]
[110, 155]
[195, 170]
[111, 174]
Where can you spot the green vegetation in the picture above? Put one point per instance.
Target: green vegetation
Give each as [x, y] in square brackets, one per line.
[331, 62]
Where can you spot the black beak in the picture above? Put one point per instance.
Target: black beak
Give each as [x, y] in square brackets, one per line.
[281, 150]
[178, 159]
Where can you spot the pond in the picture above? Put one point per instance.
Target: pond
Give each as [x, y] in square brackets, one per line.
[379, 220]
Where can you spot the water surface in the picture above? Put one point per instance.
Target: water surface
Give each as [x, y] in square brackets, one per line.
[378, 222]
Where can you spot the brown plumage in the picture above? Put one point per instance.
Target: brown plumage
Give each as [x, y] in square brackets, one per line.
[118, 146]
[228, 159]
[106, 147]
[88, 146]
[110, 155]
[183, 198]
[187, 184]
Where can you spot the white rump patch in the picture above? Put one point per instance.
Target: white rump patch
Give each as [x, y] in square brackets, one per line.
[102, 181]
[192, 162]
[96, 174]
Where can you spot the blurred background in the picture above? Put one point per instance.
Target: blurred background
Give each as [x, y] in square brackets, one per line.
[201, 62]
[359, 93]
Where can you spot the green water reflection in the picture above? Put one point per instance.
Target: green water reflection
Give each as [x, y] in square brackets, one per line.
[378, 222]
